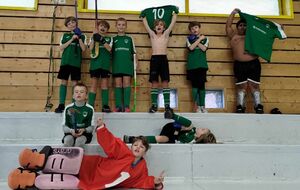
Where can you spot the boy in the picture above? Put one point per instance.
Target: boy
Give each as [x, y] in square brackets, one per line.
[124, 58]
[159, 65]
[182, 130]
[78, 119]
[247, 68]
[72, 44]
[100, 47]
[197, 65]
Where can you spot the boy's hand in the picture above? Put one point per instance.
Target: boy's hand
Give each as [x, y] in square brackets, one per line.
[202, 37]
[100, 123]
[80, 132]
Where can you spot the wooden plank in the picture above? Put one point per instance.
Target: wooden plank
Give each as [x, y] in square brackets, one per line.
[177, 81]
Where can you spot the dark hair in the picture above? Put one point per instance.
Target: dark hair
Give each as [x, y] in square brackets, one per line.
[240, 21]
[143, 140]
[70, 18]
[104, 23]
[208, 138]
[194, 23]
[80, 84]
[158, 21]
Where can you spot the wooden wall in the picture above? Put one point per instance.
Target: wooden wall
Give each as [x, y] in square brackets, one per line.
[25, 46]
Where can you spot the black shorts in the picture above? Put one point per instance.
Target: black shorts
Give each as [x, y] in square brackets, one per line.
[99, 73]
[121, 75]
[169, 130]
[247, 71]
[88, 136]
[159, 66]
[197, 77]
[66, 70]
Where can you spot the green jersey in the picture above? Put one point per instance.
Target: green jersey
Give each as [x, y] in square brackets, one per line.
[164, 12]
[197, 58]
[83, 116]
[123, 50]
[187, 136]
[103, 60]
[260, 35]
[72, 55]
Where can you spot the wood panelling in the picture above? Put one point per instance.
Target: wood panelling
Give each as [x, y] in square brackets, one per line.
[25, 40]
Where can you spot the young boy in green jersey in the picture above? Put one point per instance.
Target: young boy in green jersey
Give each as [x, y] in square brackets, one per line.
[247, 68]
[159, 65]
[78, 119]
[72, 44]
[197, 66]
[123, 60]
[100, 46]
[181, 130]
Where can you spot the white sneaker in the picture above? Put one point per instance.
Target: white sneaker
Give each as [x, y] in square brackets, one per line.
[202, 109]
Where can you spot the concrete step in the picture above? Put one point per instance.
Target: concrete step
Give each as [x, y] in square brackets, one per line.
[30, 128]
[201, 162]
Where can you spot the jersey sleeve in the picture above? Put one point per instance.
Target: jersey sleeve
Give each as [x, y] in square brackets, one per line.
[205, 42]
[112, 146]
[279, 32]
[144, 181]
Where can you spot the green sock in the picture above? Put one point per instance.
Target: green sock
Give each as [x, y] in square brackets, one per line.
[91, 98]
[202, 97]
[118, 96]
[127, 93]
[154, 95]
[166, 93]
[62, 94]
[195, 95]
[182, 120]
[104, 96]
[151, 139]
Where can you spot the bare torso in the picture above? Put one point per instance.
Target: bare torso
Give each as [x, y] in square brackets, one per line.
[159, 44]
[237, 43]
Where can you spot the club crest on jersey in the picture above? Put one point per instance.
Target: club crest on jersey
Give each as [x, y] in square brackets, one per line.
[267, 26]
[85, 114]
[126, 41]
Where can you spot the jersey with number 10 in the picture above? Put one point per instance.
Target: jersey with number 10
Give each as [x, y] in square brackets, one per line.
[164, 12]
[260, 34]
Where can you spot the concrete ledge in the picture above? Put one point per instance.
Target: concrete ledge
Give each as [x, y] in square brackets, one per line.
[228, 128]
[208, 162]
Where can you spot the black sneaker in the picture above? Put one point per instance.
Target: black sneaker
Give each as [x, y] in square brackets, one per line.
[106, 109]
[240, 109]
[60, 108]
[128, 139]
[153, 109]
[259, 109]
[168, 112]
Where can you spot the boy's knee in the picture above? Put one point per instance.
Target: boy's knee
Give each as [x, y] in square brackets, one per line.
[68, 141]
[80, 141]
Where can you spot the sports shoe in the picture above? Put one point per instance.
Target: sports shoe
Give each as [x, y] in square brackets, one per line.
[202, 109]
[168, 112]
[153, 109]
[128, 139]
[60, 108]
[127, 109]
[106, 109]
[259, 109]
[118, 109]
[240, 109]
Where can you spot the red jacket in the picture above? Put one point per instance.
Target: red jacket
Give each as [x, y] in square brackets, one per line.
[98, 172]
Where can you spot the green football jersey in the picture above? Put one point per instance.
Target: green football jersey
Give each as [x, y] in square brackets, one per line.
[84, 116]
[123, 50]
[164, 12]
[72, 55]
[103, 60]
[187, 136]
[260, 35]
[197, 58]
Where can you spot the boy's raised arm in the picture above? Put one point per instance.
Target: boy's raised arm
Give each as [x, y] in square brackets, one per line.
[229, 29]
[169, 29]
[149, 30]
